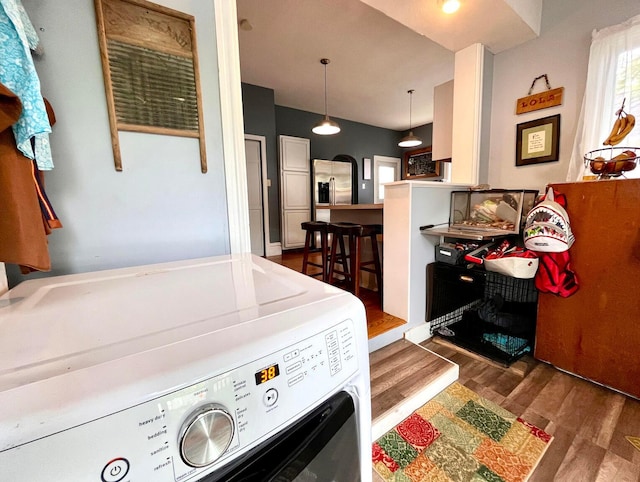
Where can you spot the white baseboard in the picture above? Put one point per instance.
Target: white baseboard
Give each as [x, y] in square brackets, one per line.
[419, 333]
[274, 249]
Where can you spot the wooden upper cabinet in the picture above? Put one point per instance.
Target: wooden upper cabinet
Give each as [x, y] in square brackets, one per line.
[442, 121]
[294, 154]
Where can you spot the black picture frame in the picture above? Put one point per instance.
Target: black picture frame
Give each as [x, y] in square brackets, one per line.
[418, 163]
[538, 141]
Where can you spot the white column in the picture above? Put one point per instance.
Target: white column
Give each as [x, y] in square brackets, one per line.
[232, 126]
[467, 114]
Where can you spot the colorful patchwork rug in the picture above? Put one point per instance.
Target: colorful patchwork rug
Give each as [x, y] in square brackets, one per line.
[460, 436]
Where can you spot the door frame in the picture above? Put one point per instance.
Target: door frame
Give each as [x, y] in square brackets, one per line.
[394, 162]
[235, 172]
[266, 237]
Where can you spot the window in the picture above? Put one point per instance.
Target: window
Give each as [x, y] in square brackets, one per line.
[385, 169]
[613, 76]
[627, 90]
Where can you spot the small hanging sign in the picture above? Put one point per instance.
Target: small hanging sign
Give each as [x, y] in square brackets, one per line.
[548, 98]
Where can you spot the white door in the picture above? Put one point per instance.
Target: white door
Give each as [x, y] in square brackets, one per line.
[295, 185]
[253, 154]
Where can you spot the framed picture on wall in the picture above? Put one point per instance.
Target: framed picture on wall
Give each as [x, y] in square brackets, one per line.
[538, 141]
[418, 163]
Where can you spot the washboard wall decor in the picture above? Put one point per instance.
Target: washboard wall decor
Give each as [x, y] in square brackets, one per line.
[150, 66]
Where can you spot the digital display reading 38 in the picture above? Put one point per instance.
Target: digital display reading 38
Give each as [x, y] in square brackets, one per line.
[267, 374]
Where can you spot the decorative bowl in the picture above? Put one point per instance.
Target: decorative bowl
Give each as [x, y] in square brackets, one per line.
[611, 162]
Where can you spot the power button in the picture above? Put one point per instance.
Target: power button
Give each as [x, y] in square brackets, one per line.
[115, 470]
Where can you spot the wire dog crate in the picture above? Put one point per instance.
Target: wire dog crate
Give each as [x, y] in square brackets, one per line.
[486, 312]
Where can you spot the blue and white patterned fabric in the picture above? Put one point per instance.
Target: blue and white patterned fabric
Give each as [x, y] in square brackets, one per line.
[18, 73]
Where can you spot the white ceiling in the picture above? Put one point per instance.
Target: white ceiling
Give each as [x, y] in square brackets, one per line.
[378, 51]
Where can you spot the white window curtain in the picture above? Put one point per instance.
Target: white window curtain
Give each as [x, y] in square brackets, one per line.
[614, 75]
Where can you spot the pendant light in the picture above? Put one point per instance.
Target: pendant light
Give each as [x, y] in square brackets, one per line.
[410, 140]
[326, 126]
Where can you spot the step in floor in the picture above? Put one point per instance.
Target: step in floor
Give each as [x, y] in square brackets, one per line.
[405, 376]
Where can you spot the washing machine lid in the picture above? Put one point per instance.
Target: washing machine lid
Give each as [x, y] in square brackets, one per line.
[56, 325]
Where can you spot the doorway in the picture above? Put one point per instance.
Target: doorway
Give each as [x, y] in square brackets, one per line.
[256, 161]
[385, 169]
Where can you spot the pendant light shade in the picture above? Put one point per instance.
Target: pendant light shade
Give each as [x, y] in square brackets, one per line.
[410, 140]
[326, 126]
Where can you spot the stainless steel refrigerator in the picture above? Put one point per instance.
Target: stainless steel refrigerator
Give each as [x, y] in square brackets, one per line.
[332, 184]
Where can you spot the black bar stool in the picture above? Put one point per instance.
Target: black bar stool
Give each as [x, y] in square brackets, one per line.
[311, 228]
[351, 262]
[372, 231]
[339, 259]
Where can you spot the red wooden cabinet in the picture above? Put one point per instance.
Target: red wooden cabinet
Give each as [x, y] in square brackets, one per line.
[596, 332]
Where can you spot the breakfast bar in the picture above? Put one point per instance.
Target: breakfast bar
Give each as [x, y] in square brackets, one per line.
[352, 213]
[359, 214]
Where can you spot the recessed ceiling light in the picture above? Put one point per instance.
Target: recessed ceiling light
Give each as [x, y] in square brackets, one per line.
[450, 6]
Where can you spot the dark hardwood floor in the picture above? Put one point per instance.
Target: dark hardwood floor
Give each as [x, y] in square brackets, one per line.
[378, 321]
[589, 422]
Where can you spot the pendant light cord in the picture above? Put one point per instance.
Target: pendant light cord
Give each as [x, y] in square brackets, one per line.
[410, 108]
[326, 127]
[410, 140]
[326, 109]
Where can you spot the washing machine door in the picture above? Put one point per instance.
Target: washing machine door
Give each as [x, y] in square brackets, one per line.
[322, 446]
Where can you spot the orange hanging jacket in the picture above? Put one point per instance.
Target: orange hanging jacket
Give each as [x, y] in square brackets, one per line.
[23, 234]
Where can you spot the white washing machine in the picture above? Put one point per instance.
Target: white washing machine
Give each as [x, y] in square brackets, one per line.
[225, 368]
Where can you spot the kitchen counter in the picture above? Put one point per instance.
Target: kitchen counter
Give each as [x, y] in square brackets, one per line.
[407, 206]
[350, 213]
[355, 213]
[343, 207]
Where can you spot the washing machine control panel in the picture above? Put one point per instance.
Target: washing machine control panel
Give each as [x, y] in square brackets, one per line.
[192, 431]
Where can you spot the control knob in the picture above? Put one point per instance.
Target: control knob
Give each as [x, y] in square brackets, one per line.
[206, 435]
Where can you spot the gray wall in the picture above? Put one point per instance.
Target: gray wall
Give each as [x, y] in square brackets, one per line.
[262, 117]
[259, 113]
[161, 207]
[355, 139]
[562, 52]
[425, 133]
